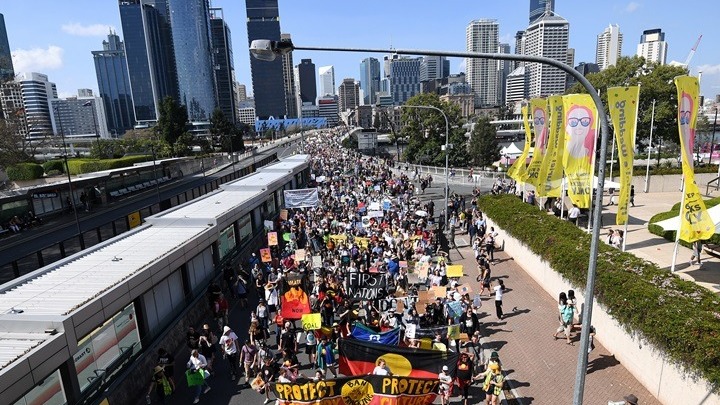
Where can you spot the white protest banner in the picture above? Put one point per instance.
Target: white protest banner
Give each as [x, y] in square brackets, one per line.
[410, 331]
[303, 198]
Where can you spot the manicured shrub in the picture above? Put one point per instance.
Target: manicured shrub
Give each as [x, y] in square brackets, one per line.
[25, 171]
[676, 316]
[674, 212]
[79, 166]
[57, 165]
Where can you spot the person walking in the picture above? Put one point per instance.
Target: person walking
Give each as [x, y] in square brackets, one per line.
[197, 364]
[326, 357]
[228, 342]
[566, 313]
[446, 382]
[249, 359]
[160, 384]
[493, 383]
[464, 376]
[697, 247]
[167, 362]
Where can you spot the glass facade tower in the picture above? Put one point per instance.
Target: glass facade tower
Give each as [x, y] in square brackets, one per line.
[190, 24]
[369, 79]
[308, 84]
[114, 84]
[6, 67]
[223, 64]
[263, 22]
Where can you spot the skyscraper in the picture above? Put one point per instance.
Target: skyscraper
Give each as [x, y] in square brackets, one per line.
[327, 80]
[289, 82]
[370, 79]
[37, 91]
[148, 50]
[114, 84]
[504, 69]
[482, 74]
[6, 67]
[652, 46]
[82, 115]
[434, 67]
[404, 78]
[609, 47]
[308, 84]
[224, 67]
[548, 37]
[538, 7]
[263, 22]
[349, 93]
[190, 24]
[11, 104]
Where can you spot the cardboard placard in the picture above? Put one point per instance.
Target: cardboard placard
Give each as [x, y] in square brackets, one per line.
[454, 332]
[269, 225]
[424, 298]
[410, 330]
[455, 270]
[311, 321]
[422, 268]
[265, 255]
[317, 262]
[299, 255]
[339, 238]
[464, 336]
[272, 239]
[403, 264]
[438, 291]
[464, 289]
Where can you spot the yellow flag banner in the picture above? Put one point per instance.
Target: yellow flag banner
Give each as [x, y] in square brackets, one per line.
[580, 131]
[623, 105]
[538, 108]
[518, 171]
[695, 223]
[551, 169]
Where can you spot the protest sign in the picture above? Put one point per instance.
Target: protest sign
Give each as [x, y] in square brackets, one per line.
[311, 321]
[453, 332]
[366, 286]
[265, 255]
[302, 198]
[455, 270]
[269, 225]
[299, 255]
[464, 289]
[410, 330]
[317, 262]
[272, 239]
[438, 291]
[284, 215]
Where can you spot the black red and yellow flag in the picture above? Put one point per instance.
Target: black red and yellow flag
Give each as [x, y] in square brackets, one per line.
[359, 357]
[368, 390]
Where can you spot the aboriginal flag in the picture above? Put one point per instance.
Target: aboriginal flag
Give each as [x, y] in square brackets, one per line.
[359, 358]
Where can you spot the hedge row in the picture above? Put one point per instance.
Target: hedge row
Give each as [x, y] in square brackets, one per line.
[79, 166]
[676, 316]
[51, 165]
[674, 212]
[25, 171]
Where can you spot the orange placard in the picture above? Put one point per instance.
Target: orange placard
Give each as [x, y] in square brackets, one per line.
[272, 239]
[265, 255]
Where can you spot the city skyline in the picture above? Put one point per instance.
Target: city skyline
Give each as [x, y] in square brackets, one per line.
[62, 50]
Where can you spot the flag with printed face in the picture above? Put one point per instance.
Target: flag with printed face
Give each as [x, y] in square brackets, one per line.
[551, 170]
[518, 170]
[538, 107]
[623, 105]
[695, 223]
[580, 132]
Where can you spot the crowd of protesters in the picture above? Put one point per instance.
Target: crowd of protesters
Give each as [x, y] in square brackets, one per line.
[339, 238]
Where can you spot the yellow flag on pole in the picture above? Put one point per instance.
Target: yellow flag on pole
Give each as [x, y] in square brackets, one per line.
[580, 131]
[518, 171]
[551, 169]
[695, 223]
[623, 105]
[538, 108]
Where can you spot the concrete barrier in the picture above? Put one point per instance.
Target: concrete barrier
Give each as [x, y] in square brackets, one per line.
[668, 382]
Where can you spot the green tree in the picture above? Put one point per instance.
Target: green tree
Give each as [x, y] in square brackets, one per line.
[183, 145]
[142, 141]
[483, 146]
[14, 148]
[172, 120]
[425, 131]
[107, 149]
[656, 83]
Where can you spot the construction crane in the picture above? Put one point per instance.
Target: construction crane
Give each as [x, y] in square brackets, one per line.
[692, 52]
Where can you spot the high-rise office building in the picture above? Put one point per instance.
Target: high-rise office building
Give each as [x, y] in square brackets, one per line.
[37, 91]
[404, 78]
[6, 66]
[240, 92]
[289, 82]
[652, 46]
[504, 69]
[114, 84]
[190, 24]
[263, 22]
[609, 47]
[482, 74]
[308, 84]
[327, 81]
[547, 36]
[434, 67]
[148, 50]
[224, 67]
[328, 109]
[81, 115]
[12, 107]
[516, 85]
[584, 69]
[370, 79]
[349, 95]
[538, 7]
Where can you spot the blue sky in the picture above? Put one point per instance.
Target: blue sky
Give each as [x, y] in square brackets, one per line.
[59, 35]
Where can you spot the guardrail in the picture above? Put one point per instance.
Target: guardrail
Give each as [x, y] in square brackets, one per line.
[457, 176]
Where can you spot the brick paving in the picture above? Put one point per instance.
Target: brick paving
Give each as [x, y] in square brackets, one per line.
[539, 368]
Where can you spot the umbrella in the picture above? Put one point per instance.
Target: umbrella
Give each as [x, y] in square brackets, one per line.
[421, 213]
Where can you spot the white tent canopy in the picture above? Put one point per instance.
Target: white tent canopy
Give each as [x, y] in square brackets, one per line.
[673, 224]
[511, 150]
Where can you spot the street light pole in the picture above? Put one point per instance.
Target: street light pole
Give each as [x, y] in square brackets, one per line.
[268, 50]
[447, 152]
